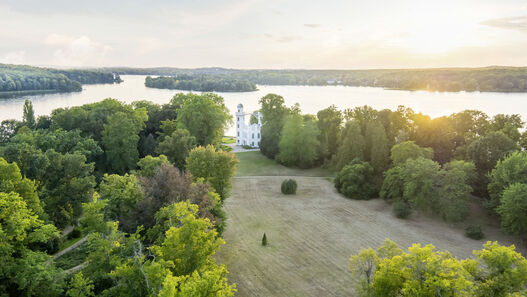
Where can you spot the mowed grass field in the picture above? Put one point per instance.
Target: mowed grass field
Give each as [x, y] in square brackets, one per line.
[312, 234]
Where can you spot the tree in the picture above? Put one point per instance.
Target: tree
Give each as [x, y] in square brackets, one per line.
[503, 270]
[329, 124]
[508, 124]
[212, 282]
[454, 193]
[29, 114]
[122, 194]
[11, 180]
[215, 166]
[486, 151]
[274, 114]
[377, 147]
[393, 184]
[513, 209]
[120, 138]
[169, 185]
[409, 150]
[437, 134]
[420, 179]
[264, 240]
[24, 270]
[511, 170]
[190, 244]
[80, 286]
[299, 144]
[177, 146]
[204, 116]
[356, 180]
[148, 165]
[352, 145]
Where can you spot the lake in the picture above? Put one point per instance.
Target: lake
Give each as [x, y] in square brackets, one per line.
[311, 99]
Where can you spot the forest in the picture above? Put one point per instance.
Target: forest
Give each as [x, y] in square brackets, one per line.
[15, 78]
[485, 79]
[201, 83]
[114, 199]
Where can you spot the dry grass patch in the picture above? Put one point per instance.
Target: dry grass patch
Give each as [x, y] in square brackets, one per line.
[312, 234]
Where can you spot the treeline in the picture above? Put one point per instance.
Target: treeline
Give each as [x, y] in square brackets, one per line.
[27, 78]
[414, 162]
[201, 83]
[486, 79]
[144, 183]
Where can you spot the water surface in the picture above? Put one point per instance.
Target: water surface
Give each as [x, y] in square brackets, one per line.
[311, 99]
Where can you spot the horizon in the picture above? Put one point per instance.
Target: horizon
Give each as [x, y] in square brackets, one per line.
[256, 34]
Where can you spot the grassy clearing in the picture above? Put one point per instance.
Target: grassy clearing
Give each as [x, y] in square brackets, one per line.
[255, 164]
[312, 234]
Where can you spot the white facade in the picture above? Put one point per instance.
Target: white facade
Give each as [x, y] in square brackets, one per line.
[246, 133]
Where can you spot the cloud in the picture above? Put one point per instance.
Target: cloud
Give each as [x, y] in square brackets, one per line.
[16, 57]
[518, 23]
[313, 26]
[76, 51]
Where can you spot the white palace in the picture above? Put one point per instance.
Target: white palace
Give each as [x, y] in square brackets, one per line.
[248, 134]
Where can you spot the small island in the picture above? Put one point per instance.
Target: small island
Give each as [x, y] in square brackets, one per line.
[201, 83]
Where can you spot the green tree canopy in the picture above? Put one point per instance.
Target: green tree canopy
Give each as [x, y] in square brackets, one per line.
[215, 166]
[299, 144]
[205, 116]
[409, 150]
[177, 147]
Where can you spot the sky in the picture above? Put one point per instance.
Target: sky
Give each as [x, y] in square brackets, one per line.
[264, 34]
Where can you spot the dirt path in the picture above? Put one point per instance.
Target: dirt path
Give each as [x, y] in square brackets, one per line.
[311, 236]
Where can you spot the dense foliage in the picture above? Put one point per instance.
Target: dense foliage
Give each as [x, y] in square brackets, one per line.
[201, 83]
[28, 78]
[151, 228]
[421, 271]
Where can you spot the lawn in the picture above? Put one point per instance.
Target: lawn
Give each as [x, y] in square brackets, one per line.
[255, 164]
[312, 234]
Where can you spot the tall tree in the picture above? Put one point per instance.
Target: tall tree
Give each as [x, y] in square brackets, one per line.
[274, 113]
[299, 144]
[329, 124]
[29, 114]
[120, 138]
[377, 147]
[352, 145]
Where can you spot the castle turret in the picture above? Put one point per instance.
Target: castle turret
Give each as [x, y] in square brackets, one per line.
[240, 124]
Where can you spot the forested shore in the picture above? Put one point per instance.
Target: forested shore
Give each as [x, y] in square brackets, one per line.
[21, 78]
[484, 79]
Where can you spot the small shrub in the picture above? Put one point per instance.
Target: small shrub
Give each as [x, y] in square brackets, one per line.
[401, 209]
[247, 147]
[474, 232]
[75, 233]
[264, 240]
[289, 186]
